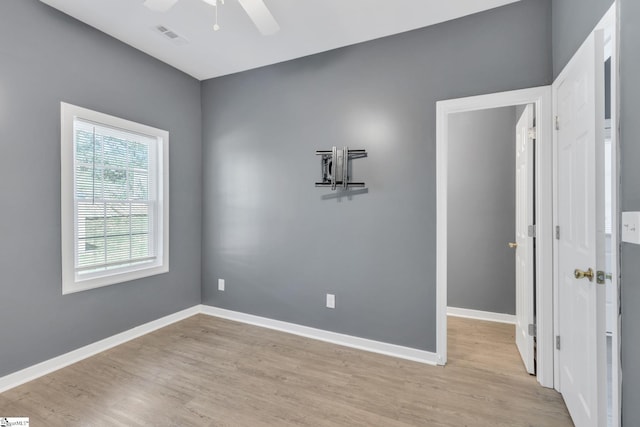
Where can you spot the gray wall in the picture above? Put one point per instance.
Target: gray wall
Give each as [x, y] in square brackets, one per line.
[48, 57]
[630, 189]
[278, 242]
[481, 210]
[573, 20]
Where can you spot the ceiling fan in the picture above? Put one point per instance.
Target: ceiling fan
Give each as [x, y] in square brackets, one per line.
[256, 9]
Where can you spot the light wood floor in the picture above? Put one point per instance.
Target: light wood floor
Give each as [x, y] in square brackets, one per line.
[205, 371]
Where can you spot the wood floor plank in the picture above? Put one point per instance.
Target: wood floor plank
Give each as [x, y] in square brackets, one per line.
[206, 371]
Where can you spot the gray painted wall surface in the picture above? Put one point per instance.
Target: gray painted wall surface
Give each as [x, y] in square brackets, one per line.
[278, 242]
[48, 57]
[572, 21]
[481, 210]
[630, 194]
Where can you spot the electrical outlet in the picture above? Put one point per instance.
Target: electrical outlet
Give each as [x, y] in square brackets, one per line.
[331, 301]
[221, 284]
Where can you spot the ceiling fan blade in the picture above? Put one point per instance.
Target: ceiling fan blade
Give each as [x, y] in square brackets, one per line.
[160, 5]
[260, 15]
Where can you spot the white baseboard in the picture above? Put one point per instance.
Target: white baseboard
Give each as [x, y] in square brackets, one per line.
[36, 371]
[31, 373]
[481, 315]
[327, 336]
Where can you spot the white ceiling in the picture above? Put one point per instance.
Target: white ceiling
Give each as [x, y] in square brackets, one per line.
[307, 27]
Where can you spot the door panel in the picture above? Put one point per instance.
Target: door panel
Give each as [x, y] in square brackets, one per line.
[524, 249]
[580, 99]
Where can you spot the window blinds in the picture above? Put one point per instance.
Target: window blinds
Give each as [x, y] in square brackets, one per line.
[114, 197]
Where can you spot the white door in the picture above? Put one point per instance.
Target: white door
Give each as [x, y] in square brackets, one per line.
[579, 98]
[524, 243]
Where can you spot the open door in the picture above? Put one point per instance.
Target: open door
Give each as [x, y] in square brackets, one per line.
[524, 250]
[579, 97]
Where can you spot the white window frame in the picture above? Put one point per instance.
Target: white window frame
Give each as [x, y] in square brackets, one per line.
[72, 281]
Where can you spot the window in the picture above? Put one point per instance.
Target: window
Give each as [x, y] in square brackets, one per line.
[115, 199]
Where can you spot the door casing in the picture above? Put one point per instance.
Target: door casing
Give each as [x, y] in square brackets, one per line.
[541, 98]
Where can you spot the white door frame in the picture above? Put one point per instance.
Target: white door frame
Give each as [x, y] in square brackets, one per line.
[541, 97]
[613, 15]
[608, 23]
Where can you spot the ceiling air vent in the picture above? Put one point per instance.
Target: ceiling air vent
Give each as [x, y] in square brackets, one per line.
[170, 34]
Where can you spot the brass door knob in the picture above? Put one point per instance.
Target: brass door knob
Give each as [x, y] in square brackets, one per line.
[513, 245]
[579, 274]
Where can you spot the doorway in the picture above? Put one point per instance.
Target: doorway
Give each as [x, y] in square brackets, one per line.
[539, 98]
[578, 360]
[490, 239]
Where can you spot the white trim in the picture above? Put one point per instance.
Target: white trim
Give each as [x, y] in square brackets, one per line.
[71, 282]
[616, 398]
[48, 366]
[327, 336]
[36, 371]
[488, 316]
[442, 177]
[541, 97]
[545, 340]
[556, 314]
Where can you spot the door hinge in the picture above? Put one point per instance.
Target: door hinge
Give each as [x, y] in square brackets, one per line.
[532, 133]
[532, 231]
[557, 342]
[557, 232]
[532, 330]
[557, 123]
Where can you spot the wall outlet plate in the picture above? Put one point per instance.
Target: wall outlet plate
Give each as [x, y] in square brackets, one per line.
[331, 301]
[631, 227]
[221, 284]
